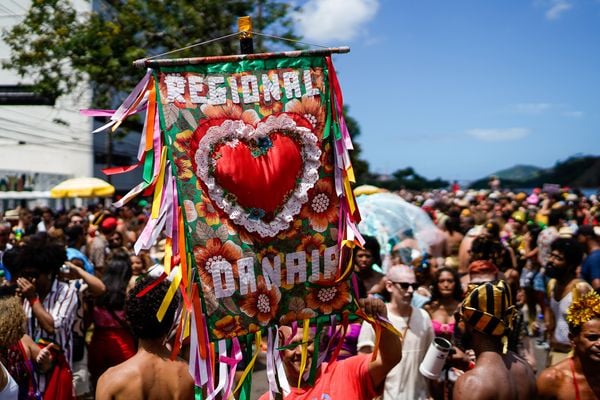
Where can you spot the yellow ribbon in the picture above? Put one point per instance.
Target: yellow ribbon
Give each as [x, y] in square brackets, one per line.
[159, 185]
[304, 355]
[258, 343]
[169, 296]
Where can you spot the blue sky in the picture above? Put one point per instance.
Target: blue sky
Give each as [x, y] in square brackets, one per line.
[460, 89]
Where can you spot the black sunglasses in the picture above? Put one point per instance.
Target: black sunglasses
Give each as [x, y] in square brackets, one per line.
[406, 285]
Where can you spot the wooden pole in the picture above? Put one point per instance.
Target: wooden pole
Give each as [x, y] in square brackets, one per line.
[245, 30]
[145, 63]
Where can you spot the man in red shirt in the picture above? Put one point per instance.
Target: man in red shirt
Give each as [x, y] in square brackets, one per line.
[357, 378]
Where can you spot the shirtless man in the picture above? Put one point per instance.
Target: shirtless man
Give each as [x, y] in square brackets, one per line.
[487, 312]
[577, 377]
[150, 374]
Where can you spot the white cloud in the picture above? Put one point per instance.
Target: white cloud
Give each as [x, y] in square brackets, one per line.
[498, 135]
[532, 108]
[557, 8]
[573, 114]
[335, 20]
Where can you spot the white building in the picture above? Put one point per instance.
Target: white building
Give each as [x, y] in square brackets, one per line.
[44, 141]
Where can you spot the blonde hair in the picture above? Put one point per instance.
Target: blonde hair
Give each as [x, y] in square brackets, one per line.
[12, 321]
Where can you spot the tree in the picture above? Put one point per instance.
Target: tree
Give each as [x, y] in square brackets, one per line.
[58, 49]
[360, 166]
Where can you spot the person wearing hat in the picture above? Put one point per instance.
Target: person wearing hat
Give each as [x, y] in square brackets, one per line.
[487, 313]
[589, 236]
[577, 377]
[99, 248]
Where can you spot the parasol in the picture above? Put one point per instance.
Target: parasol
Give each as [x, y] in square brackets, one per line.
[367, 189]
[82, 187]
[387, 216]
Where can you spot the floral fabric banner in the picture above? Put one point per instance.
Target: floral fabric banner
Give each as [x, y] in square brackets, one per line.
[252, 149]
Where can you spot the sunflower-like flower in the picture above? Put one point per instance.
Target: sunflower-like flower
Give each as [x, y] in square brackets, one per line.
[215, 251]
[206, 210]
[310, 243]
[584, 309]
[229, 327]
[230, 110]
[263, 303]
[321, 208]
[328, 299]
[182, 161]
[310, 108]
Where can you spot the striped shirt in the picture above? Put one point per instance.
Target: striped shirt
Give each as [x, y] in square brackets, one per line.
[61, 304]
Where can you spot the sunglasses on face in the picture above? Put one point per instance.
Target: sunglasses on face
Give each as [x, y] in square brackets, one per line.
[406, 285]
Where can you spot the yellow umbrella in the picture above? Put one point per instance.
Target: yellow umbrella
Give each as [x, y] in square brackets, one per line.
[367, 189]
[82, 187]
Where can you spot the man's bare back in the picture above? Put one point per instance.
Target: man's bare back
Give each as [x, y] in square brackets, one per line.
[496, 376]
[148, 376]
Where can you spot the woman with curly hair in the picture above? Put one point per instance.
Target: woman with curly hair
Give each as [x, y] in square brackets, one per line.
[17, 350]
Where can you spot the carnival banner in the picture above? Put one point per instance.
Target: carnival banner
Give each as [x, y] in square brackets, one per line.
[251, 144]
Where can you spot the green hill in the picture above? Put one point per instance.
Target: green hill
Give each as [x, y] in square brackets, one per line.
[576, 172]
[519, 173]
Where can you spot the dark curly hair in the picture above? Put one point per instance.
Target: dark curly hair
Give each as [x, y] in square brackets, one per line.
[373, 246]
[39, 251]
[486, 248]
[457, 294]
[571, 250]
[141, 311]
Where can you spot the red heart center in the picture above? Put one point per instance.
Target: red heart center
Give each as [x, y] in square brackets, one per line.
[260, 178]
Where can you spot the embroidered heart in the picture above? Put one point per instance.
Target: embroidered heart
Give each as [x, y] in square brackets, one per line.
[259, 176]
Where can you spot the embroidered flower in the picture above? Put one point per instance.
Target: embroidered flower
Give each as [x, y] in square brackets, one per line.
[327, 160]
[182, 161]
[292, 232]
[263, 303]
[228, 327]
[206, 210]
[310, 108]
[310, 243]
[328, 299]
[297, 311]
[213, 252]
[321, 208]
[230, 110]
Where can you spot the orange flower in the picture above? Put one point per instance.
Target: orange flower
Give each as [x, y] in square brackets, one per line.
[263, 303]
[215, 251]
[310, 243]
[326, 160]
[297, 311]
[183, 162]
[292, 230]
[207, 211]
[328, 299]
[228, 327]
[230, 110]
[321, 208]
[310, 108]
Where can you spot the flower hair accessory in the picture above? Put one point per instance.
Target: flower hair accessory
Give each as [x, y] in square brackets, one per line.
[584, 309]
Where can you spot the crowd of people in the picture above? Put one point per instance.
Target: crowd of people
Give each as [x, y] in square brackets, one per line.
[512, 285]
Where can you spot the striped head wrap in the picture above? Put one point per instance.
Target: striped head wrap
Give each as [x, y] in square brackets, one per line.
[488, 309]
